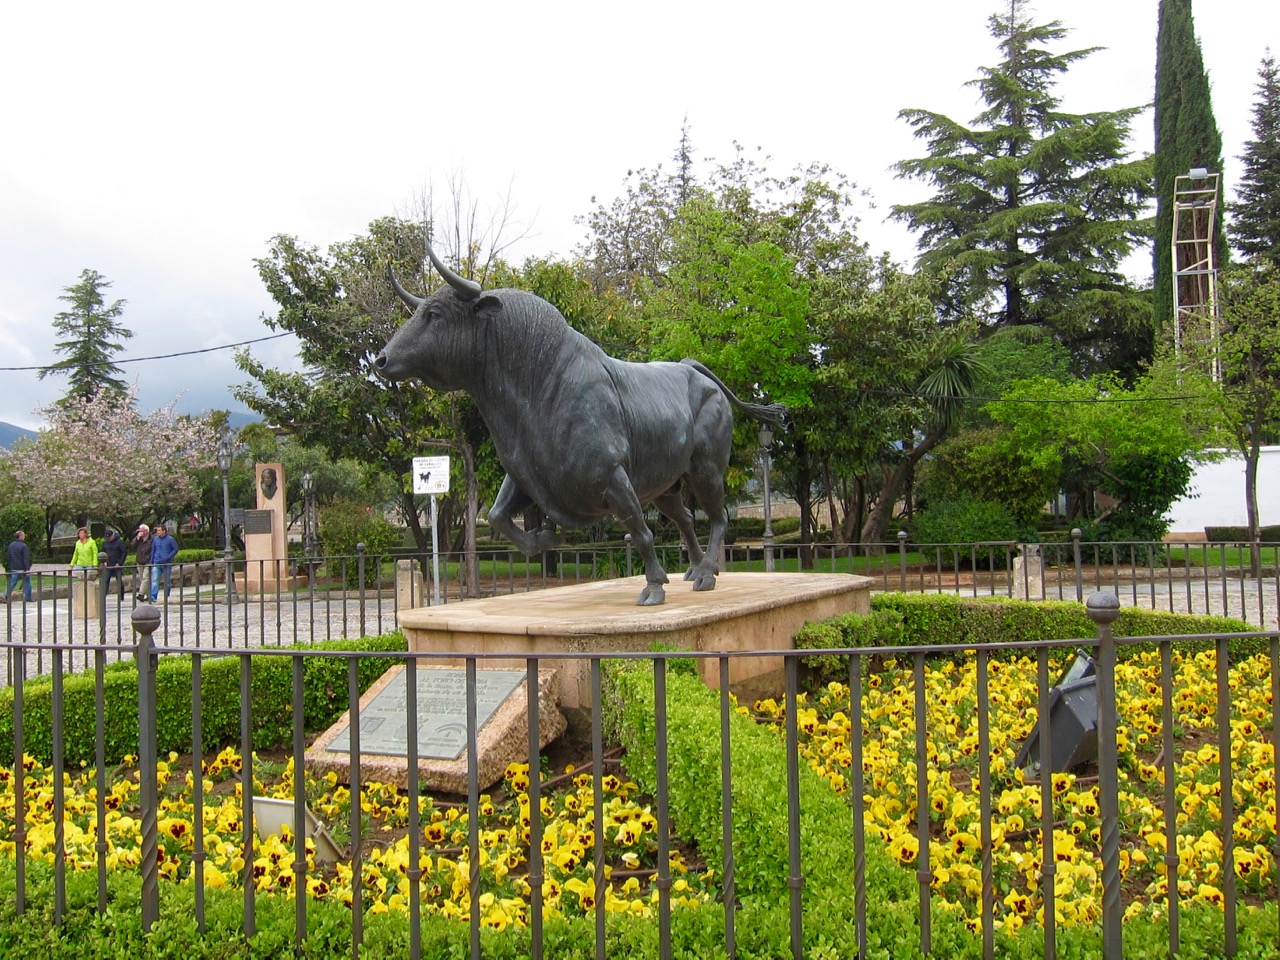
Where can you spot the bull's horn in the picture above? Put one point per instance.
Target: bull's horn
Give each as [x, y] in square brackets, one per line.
[467, 289]
[409, 299]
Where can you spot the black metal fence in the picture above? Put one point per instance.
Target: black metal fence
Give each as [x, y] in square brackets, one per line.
[299, 600]
[1102, 608]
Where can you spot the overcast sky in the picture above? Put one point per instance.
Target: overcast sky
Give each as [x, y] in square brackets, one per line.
[163, 145]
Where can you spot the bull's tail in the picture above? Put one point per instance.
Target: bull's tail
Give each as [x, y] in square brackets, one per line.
[774, 414]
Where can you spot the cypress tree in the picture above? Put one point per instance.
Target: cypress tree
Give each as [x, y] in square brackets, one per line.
[1186, 137]
[1255, 216]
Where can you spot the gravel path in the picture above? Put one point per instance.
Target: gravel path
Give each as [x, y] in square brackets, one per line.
[194, 618]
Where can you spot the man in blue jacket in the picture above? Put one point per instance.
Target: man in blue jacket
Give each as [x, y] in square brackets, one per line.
[18, 558]
[163, 549]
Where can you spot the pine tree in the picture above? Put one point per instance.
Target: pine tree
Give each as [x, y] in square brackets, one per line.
[1186, 137]
[91, 334]
[1035, 208]
[1255, 216]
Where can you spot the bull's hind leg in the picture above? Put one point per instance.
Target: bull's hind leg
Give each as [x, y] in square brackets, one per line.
[622, 500]
[511, 500]
[671, 504]
[708, 491]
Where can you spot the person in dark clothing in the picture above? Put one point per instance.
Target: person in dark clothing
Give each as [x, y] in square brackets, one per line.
[18, 560]
[142, 557]
[115, 550]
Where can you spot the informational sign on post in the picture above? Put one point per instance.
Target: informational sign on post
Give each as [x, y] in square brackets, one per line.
[431, 477]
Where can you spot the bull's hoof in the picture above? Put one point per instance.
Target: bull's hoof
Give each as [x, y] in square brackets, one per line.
[706, 581]
[690, 574]
[652, 595]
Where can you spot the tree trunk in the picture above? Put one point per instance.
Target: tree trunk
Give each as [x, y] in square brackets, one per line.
[873, 531]
[1251, 457]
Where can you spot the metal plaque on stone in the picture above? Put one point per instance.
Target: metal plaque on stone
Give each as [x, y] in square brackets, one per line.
[257, 521]
[442, 713]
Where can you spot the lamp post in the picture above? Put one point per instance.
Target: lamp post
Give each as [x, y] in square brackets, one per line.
[766, 441]
[224, 467]
[308, 522]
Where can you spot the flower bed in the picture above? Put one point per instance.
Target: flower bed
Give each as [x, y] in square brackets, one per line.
[889, 764]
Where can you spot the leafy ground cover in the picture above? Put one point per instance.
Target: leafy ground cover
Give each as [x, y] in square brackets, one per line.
[889, 765]
[567, 843]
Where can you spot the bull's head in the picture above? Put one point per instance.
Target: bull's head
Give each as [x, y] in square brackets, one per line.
[436, 344]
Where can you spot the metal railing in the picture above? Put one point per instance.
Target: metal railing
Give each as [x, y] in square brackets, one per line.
[298, 600]
[1102, 608]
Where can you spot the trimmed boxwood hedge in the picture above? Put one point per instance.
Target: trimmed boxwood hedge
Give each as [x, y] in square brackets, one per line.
[915, 619]
[271, 701]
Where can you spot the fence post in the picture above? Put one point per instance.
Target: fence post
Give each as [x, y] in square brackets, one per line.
[102, 596]
[902, 560]
[1103, 608]
[360, 548]
[1076, 534]
[145, 619]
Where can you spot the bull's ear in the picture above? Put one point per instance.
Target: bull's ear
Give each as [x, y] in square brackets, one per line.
[487, 307]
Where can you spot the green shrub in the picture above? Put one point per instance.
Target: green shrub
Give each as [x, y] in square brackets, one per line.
[26, 517]
[945, 619]
[963, 522]
[271, 702]
[346, 523]
[879, 628]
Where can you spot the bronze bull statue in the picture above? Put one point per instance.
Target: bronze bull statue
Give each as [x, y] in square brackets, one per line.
[580, 434]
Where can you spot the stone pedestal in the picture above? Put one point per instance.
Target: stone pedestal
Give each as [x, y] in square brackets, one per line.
[85, 603]
[746, 611]
[410, 585]
[1028, 573]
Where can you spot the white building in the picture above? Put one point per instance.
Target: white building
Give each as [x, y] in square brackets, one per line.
[1215, 497]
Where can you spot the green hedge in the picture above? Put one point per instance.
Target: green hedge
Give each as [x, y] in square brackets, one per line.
[1268, 534]
[921, 619]
[759, 764]
[271, 702]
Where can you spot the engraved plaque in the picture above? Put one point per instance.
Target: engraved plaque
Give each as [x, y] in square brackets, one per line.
[237, 516]
[257, 521]
[442, 713]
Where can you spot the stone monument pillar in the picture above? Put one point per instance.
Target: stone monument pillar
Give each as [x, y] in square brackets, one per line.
[265, 546]
[1028, 573]
[84, 596]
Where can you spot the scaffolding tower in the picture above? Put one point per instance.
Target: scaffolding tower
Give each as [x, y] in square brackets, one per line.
[1195, 267]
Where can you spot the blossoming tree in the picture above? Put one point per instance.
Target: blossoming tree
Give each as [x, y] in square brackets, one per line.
[100, 457]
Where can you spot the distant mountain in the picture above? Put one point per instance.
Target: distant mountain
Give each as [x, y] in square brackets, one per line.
[10, 433]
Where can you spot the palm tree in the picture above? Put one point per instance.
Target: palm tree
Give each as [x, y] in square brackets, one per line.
[945, 387]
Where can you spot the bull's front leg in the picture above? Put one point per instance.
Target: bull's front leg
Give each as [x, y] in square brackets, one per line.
[622, 500]
[510, 501]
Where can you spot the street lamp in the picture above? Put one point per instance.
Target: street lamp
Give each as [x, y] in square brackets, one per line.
[224, 466]
[308, 524]
[766, 441]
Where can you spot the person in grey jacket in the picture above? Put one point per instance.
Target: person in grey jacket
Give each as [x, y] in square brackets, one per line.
[18, 560]
[142, 557]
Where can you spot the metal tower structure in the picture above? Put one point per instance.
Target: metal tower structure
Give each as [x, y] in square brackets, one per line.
[1195, 266]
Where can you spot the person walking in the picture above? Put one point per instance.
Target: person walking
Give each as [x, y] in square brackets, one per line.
[116, 551]
[163, 549]
[18, 562]
[85, 555]
[142, 557]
